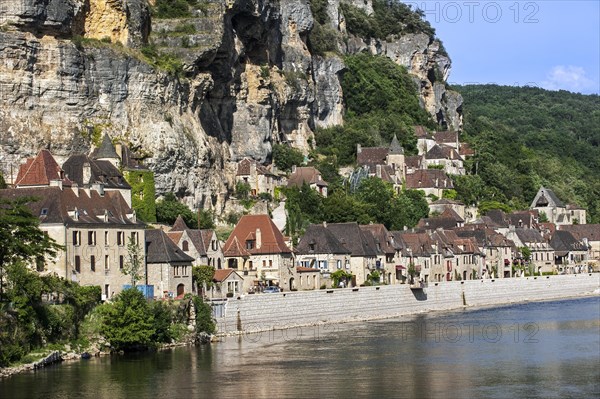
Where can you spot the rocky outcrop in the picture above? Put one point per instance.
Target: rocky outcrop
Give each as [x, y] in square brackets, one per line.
[246, 80]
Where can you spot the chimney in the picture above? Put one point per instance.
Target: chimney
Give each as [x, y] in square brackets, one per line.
[99, 187]
[358, 149]
[258, 239]
[378, 171]
[119, 150]
[293, 168]
[325, 224]
[56, 183]
[87, 173]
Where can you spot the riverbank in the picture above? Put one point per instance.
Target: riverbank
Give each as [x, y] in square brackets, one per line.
[267, 312]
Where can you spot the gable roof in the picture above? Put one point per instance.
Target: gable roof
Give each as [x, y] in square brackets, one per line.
[354, 239]
[442, 152]
[371, 156]
[160, 249]
[546, 198]
[271, 239]
[101, 171]
[56, 205]
[527, 235]
[429, 178]
[322, 240]
[179, 224]
[446, 137]
[244, 168]
[308, 175]
[422, 133]
[223, 274]
[39, 171]
[382, 237]
[589, 231]
[106, 149]
[413, 161]
[563, 242]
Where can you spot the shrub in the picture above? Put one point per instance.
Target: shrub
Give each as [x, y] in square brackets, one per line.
[204, 320]
[285, 157]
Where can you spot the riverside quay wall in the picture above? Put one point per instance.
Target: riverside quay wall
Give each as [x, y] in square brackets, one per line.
[266, 312]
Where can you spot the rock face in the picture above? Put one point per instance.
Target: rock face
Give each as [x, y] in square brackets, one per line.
[71, 68]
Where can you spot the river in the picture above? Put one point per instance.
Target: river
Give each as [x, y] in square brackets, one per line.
[531, 350]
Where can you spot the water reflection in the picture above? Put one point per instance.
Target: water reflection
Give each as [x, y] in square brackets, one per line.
[535, 350]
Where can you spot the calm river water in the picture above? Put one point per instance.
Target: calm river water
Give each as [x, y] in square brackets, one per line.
[533, 350]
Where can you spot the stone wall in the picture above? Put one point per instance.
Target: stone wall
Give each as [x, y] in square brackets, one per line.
[264, 312]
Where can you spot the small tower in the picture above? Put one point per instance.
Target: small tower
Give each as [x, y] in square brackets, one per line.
[107, 152]
[395, 157]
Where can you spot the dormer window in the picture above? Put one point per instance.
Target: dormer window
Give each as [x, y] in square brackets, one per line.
[185, 246]
[44, 212]
[250, 244]
[311, 247]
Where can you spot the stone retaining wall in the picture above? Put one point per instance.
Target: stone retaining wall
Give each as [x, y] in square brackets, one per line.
[265, 312]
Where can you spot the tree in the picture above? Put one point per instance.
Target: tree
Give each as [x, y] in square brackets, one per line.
[134, 265]
[169, 208]
[341, 276]
[204, 320]
[205, 219]
[242, 189]
[128, 322]
[202, 277]
[285, 157]
[20, 235]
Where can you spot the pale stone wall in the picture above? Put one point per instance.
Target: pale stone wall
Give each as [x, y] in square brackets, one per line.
[265, 312]
[165, 278]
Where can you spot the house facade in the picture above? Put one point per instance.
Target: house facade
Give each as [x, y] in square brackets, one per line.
[202, 245]
[308, 175]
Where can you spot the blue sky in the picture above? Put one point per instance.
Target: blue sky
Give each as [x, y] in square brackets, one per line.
[549, 44]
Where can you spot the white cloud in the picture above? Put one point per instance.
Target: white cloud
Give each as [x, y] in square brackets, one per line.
[571, 78]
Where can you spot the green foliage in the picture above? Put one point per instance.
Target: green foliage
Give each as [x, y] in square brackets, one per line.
[2, 182]
[382, 100]
[185, 28]
[128, 322]
[323, 39]
[242, 189]
[164, 323]
[169, 63]
[134, 263]
[204, 320]
[525, 137]
[206, 219]
[166, 9]
[142, 194]
[169, 208]
[21, 238]
[486, 206]
[388, 18]
[202, 277]
[285, 157]
[341, 275]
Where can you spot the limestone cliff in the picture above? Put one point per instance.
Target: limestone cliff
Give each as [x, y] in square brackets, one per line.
[239, 77]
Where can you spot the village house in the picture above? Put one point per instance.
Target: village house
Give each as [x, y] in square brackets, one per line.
[320, 250]
[448, 220]
[570, 254]
[439, 206]
[589, 234]
[258, 251]
[418, 252]
[387, 163]
[169, 269]
[432, 181]
[226, 283]
[447, 138]
[202, 245]
[547, 203]
[445, 157]
[95, 228]
[499, 251]
[464, 254]
[259, 177]
[362, 247]
[425, 140]
[308, 278]
[308, 175]
[542, 254]
[384, 247]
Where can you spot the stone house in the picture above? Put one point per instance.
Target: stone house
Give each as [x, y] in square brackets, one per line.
[226, 283]
[41, 171]
[386, 251]
[169, 269]
[589, 234]
[448, 220]
[569, 252]
[257, 249]
[445, 157]
[310, 176]
[499, 251]
[448, 138]
[542, 254]
[202, 245]
[431, 181]
[417, 249]
[387, 163]
[321, 250]
[95, 228]
[425, 140]
[556, 211]
[462, 257]
[259, 177]
[308, 278]
[362, 247]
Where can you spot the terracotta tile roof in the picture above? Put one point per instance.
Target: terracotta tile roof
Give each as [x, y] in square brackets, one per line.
[422, 133]
[322, 240]
[160, 249]
[100, 172]
[437, 222]
[54, 205]
[372, 156]
[416, 244]
[465, 150]
[271, 240]
[39, 171]
[581, 231]
[179, 224]
[485, 237]
[223, 274]
[527, 235]
[244, 168]
[308, 175]
[445, 201]
[413, 161]
[429, 178]
[175, 236]
[446, 137]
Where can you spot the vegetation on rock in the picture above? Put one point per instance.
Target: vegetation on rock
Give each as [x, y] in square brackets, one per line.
[169, 208]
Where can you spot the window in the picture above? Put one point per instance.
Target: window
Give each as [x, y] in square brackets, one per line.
[134, 237]
[213, 245]
[93, 263]
[106, 263]
[249, 244]
[264, 263]
[77, 263]
[91, 238]
[185, 246]
[270, 262]
[339, 264]
[76, 237]
[120, 238]
[106, 238]
[121, 262]
[311, 247]
[250, 264]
